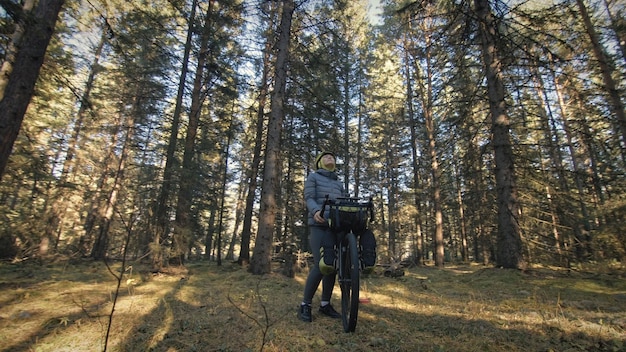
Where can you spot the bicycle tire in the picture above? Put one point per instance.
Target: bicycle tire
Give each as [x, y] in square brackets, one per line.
[349, 283]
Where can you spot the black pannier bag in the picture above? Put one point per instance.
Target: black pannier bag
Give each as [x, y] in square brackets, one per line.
[349, 216]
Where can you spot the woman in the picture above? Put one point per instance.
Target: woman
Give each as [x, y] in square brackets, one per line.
[322, 182]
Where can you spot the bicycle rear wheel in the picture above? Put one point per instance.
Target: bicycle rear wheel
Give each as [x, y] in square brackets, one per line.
[349, 283]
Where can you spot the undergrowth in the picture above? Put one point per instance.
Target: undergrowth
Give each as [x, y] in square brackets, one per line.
[203, 307]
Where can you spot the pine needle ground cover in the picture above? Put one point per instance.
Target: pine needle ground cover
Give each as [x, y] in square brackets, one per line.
[203, 307]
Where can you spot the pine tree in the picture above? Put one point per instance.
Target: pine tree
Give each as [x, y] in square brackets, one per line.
[34, 31]
[509, 249]
[260, 261]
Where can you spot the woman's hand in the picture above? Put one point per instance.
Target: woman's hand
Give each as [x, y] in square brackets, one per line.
[318, 217]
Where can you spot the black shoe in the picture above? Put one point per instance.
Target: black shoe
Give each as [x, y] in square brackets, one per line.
[330, 311]
[305, 313]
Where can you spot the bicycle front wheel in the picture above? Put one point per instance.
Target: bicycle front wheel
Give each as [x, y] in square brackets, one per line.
[349, 283]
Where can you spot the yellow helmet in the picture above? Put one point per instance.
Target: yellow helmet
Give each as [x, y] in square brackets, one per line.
[319, 158]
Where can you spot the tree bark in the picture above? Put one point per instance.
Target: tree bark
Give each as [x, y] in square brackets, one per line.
[509, 244]
[260, 261]
[21, 82]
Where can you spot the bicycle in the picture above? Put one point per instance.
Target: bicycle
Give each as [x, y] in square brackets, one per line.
[348, 217]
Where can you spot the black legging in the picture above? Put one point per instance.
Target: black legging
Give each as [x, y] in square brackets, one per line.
[316, 236]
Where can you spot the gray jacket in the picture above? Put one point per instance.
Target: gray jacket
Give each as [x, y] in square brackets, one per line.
[319, 184]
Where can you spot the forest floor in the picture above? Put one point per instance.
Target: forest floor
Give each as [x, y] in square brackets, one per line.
[205, 307]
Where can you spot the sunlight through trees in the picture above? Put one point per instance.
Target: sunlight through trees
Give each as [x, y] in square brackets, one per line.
[485, 131]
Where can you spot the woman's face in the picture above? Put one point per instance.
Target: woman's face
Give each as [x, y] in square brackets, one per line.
[328, 160]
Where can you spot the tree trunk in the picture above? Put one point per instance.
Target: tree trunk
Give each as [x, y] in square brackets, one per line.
[606, 67]
[425, 92]
[414, 157]
[578, 180]
[84, 106]
[435, 174]
[260, 261]
[345, 111]
[54, 216]
[162, 206]
[392, 197]
[183, 228]
[25, 70]
[253, 172]
[15, 43]
[462, 217]
[102, 240]
[617, 26]
[93, 215]
[208, 241]
[243, 188]
[556, 169]
[359, 144]
[509, 244]
[226, 152]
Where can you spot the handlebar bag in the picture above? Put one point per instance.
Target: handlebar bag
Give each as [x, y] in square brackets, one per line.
[348, 217]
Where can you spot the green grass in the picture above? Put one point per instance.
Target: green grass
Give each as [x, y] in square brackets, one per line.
[66, 307]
